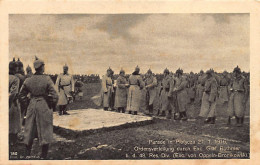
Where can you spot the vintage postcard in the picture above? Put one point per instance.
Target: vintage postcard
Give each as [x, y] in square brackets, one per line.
[129, 81]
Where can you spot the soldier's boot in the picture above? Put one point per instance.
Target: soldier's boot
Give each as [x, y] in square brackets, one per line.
[119, 109]
[229, 120]
[239, 123]
[44, 151]
[135, 112]
[212, 120]
[177, 116]
[123, 110]
[158, 113]
[65, 112]
[242, 120]
[169, 115]
[130, 112]
[105, 108]
[208, 120]
[28, 149]
[60, 109]
[151, 109]
[184, 116]
[163, 114]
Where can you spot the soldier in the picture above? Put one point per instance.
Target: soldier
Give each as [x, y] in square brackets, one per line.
[121, 92]
[65, 86]
[191, 87]
[107, 89]
[223, 88]
[200, 87]
[29, 72]
[79, 85]
[181, 93]
[164, 95]
[150, 85]
[208, 106]
[134, 95]
[14, 111]
[239, 93]
[39, 117]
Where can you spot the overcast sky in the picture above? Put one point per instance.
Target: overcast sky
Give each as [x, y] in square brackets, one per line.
[91, 43]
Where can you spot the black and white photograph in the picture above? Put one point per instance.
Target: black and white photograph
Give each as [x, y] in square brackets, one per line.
[129, 86]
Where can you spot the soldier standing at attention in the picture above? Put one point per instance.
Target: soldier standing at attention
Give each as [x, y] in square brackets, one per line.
[209, 98]
[65, 86]
[164, 95]
[121, 92]
[14, 111]
[150, 85]
[239, 93]
[39, 117]
[107, 89]
[134, 95]
[181, 93]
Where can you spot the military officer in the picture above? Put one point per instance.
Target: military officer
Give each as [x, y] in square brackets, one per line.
[134, 95]
[150, 85]
[121, 92]
[208, 106]
[14, 111]
[65, 86]
[39, 116]
[107, 89]
[239, 93]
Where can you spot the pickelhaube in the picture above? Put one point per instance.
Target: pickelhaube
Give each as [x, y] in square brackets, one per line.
[179, 71]
[121, 71]
[137, 68]
[38, 63]
[28, 69]
[19, 63]
[201, 72]
[12, 64]
[65, 66]
[166, 71]
[150, 71]
[237, 70]
[210, 71]
[109, 69]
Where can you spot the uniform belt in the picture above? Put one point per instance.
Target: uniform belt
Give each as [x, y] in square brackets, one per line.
[109, 85]
[65, 85]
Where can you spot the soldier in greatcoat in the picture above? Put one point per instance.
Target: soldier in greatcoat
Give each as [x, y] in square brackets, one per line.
[179, 89]
[107, 89]
[39, 116]
[151, 90]
[14, 111]
[209, 98]
[134, 95]
[65, 85]
[223, 88]
[239, 93]
[165, 95]
[200, 87]
[121, 92]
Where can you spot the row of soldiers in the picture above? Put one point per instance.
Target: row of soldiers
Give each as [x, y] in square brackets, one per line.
[32, 99]
[176, 91]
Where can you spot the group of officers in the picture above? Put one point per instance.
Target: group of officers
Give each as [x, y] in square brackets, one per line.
[175, 91]
[33, 97]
